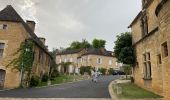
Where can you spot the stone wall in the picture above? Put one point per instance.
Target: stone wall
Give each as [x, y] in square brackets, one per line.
[149, 43]
[164, 24]
[13, 36]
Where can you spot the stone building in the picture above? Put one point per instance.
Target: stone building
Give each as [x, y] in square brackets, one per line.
[151, 41]
[14, 31]
[97, 58]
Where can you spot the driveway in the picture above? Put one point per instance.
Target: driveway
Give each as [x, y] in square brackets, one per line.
[82, 89]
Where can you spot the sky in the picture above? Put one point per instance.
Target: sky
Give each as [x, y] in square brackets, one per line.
[64, 21]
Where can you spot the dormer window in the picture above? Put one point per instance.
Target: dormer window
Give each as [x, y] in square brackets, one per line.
[3, 26]
[144, 25]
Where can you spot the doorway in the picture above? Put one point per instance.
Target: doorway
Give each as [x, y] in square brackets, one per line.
[2, 78]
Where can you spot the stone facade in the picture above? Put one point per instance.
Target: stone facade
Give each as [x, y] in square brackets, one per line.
[83, 58]
[153, 48]
[97, 61]
[13, 31]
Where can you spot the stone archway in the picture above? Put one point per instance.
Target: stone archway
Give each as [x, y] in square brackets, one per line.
[2, 78]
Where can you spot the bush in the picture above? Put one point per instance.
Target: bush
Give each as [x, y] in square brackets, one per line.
[111, 70]
[45, 78]
[54, 74]
[85, 69]
[103, 71]
[34, 81]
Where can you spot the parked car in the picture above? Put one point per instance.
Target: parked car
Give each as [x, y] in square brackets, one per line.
[121, 73]
[115, 73]
[118, 73]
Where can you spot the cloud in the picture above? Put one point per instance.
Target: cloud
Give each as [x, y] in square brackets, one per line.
[63, 21]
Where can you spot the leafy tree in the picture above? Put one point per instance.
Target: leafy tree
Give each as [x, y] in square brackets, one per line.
[79, 45]
[98, 43]
[123, 48]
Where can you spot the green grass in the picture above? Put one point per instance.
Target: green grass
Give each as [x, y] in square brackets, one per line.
[130, 90]
[63, 79]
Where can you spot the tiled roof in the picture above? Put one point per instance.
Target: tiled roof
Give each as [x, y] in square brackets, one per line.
[9, 14]
[88, 51]
[101, 51]
[69, 52]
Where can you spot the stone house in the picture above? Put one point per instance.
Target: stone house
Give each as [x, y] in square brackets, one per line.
[151, 41]
[97, 58]
[14, 31]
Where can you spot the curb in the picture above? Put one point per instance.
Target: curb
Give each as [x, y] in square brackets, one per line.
[61, 83]
[112, 94]
[49, 85]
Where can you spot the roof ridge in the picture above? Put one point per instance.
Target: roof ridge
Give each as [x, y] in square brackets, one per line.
[10, 14]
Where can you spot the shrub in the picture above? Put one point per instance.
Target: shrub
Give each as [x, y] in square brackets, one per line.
[54, 74]
[34, 81]
[111, 70]
[45, 78]
[85, 69]
[103, 71]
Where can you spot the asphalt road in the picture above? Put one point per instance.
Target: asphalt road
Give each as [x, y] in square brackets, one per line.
[82, 89]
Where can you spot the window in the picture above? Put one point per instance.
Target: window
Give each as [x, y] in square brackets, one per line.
[147, 66]
[99, 60]
[165, 49]
[3, 26]
[110, 62]
[159, 59]
[144, 25]
[2, 45]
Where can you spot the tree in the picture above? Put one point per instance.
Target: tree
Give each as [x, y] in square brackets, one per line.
[98, 43]
[123, 48]
[79, 45]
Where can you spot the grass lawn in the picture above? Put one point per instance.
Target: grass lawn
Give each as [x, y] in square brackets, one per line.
[130, 90]
[63, 79]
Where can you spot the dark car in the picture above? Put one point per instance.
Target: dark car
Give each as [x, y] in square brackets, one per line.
[115, 73]
[118, 73]
[121, 73]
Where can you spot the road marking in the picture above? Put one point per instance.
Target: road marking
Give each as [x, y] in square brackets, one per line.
[55, 99]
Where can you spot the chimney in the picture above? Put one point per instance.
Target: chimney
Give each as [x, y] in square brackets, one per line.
[31, 24]
[42, 40]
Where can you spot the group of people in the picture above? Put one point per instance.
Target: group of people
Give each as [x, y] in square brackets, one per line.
[95, 74]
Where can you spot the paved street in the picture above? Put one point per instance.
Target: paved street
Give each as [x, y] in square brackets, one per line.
[82, 89]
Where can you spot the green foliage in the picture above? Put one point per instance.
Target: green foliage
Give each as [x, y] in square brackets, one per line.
[25, 59]
[34, 81]
[103, 71]
[123, 48]
[79, 45]
[85, 69]
[45, 78]
[127, 70]
[111, 70]
[65, 65]
[54, 74]
[98, 43]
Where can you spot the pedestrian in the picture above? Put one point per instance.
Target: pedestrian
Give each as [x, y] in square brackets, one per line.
[95, 76]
